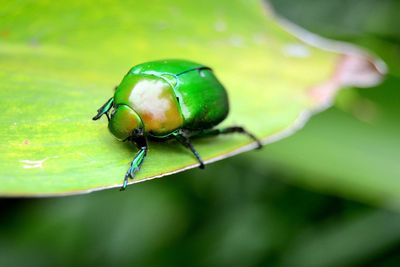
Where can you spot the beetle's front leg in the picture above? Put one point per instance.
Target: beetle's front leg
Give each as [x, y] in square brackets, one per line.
[137, 160]
[104, 109]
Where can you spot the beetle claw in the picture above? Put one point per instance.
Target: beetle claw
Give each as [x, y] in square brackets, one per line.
[98, 115]
[125, 183]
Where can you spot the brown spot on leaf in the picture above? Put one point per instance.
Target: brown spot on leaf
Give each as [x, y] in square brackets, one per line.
[352, 70]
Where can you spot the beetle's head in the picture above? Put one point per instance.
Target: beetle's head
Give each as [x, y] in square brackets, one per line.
[125, 122]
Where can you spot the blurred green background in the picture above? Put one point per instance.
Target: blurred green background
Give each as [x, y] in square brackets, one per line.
[327, 196]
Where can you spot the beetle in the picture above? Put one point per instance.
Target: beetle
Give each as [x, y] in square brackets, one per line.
[167, 99]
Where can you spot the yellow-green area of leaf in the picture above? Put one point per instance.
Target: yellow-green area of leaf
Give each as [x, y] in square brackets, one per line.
[60, 61]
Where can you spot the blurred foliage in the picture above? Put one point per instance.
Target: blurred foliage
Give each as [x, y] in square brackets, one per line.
[369, 23]
[239, 212]
[352, 149]
[234, 215]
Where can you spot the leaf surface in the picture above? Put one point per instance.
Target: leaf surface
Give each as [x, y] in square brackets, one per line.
[59, 62]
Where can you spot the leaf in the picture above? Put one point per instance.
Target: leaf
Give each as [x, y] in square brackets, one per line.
[372, 25]
[352, 151]
[60, 61]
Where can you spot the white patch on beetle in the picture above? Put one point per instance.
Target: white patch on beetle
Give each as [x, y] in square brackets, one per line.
[29, 164]
[146, 99]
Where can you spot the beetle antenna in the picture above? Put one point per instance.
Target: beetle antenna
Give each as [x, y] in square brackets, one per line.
[104, 109]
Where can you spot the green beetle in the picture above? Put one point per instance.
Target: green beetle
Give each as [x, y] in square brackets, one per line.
[167, 99]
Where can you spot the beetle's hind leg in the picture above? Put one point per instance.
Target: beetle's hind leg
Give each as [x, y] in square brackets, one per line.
[104, 109]
[182, 138]
[229, 130]
[136, 162]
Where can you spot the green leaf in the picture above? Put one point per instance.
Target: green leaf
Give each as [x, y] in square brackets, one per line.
[373, 25]
[352, 151]
[60, 61]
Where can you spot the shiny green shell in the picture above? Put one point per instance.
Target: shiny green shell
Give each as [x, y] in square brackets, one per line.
[171, 94]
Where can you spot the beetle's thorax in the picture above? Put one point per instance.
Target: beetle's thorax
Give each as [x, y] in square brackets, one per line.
[153, 100]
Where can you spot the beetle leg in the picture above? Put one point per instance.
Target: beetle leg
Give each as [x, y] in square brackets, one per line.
[184, 140]
[229, 130]
[104, 109]
[136, 162]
